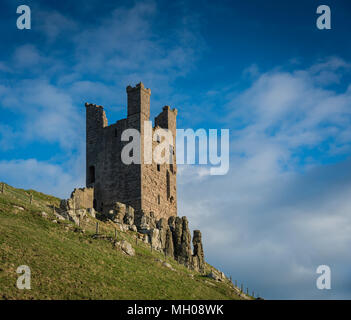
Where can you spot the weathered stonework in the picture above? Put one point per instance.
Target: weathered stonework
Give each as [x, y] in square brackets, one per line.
[145, 187]
[83, 198]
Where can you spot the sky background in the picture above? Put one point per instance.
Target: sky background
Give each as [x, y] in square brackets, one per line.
[260, 68]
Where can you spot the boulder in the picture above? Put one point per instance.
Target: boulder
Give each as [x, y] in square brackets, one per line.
[59, 217]
[167, 265]
[133, 228]
[145, 222]
[91, 212]
[18, 207]
[214, 276]
[126, 247]
[118, 212]
[129, 216]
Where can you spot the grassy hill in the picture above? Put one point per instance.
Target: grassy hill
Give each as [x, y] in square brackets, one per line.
[66, 262]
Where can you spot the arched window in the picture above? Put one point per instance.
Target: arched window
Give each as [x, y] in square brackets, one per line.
[91, 174]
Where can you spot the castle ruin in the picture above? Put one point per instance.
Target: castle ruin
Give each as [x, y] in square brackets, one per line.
[145, 187]
[140, 196]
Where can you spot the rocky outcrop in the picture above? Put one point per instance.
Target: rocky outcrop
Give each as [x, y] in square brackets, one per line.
[154, 236]
[177, 236]
[185, 254]
[145, 222]
[118, 212]
[172, 236]
[198, 259]
[169, 248]
[129, 216]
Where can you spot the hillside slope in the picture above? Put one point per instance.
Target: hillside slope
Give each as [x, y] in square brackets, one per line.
[67, 262]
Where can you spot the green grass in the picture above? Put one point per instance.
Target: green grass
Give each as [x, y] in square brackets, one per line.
[71, 265]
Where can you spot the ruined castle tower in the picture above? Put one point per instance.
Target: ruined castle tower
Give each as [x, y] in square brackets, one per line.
[145, 187]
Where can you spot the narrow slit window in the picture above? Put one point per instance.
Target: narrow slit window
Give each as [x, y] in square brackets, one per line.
[91, 174]
[168, 185]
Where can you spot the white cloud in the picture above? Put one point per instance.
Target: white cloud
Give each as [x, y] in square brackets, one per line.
[273, 219]
[48, 112]
[41, 175]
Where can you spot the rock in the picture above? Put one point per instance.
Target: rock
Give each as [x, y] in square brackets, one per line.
[198, 259]
[81, 213]
[133, 228]
[129, 216]
[126, 247]
[54, 221]
[154, 236]
[119, 212]
[185, 251]
[145, 223]
[177, 236]
[171, 223]
[163, 227]
[44, 214]
[169, 249]
[214, 276]
[59, 217]
[167, 265]
[18, 207]
[72, 216]
[145, 238]
[91, 212]
[210, 283]
[162, 224]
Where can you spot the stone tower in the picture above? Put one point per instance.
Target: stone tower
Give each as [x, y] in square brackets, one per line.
[145, 187]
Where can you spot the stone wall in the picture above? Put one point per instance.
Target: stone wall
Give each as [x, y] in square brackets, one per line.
[145, 187]
[83, 198]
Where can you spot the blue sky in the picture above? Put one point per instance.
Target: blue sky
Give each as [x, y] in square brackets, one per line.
[260, 68]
